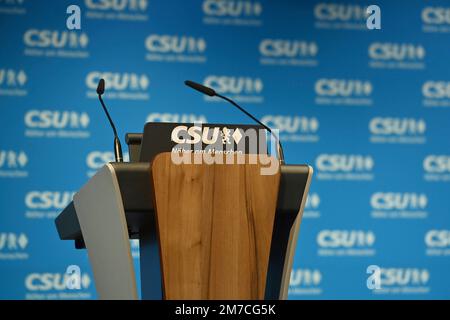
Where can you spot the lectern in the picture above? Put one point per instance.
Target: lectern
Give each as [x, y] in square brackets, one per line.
[206, 231]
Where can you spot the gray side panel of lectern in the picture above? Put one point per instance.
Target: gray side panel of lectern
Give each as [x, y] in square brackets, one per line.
[101, 215]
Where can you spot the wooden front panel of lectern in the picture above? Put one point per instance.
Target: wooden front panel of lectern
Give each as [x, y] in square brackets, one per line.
[215, 225]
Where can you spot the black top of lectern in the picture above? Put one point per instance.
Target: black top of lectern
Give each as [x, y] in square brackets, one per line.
[157, 138]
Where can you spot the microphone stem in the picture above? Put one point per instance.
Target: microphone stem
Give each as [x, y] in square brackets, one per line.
[109, 117]
[117, 146]
[280, 152]
[248, 114]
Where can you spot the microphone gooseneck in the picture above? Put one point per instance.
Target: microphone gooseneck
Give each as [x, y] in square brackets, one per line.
[211, 92]
[117, 146]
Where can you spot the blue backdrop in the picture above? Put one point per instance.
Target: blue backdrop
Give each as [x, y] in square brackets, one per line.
[369, 110]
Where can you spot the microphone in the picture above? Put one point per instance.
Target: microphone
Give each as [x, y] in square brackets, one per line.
[117, 146]
[211, 92]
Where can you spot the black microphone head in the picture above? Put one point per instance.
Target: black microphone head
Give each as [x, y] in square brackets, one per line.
[101, 87]
[199, 87]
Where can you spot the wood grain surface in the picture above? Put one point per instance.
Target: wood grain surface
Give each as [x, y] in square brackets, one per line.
[215, 226]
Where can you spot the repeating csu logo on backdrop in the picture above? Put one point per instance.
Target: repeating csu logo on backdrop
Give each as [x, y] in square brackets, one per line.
[355, 167]
[288, 52]
[346, 243]
[437, 243]
[437, 168]
[345, 92]
[393, 202]
[126, 10]
[13, 164]
[337, 16]
[294, 128]
[397, 130]
[436, 19]
[387, 55]
[239, 88]
[13, 7]
[13, 246]
[175, 48]
[53, 286]
[436, 94]
[403, 281]
[305, 282]
[399, 205]
[119, 85]
[232, 13]
[56, 44]
[46, 204]
[13, 82]
[56, 124]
